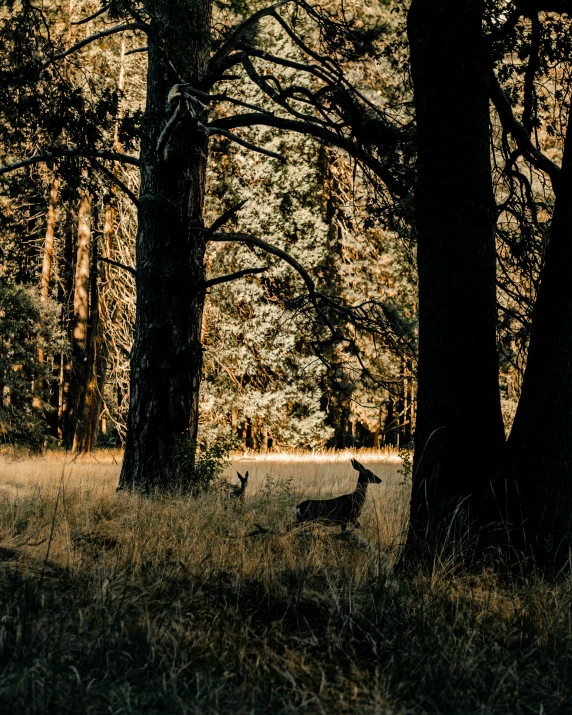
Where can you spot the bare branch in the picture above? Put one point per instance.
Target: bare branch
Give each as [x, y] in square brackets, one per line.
[325, 62]
[320, 132]
[223, 97]
[233, 276]
[275, 251]
[136, 50]
[59, 153]
[129, 269]
[223, 132]
[277, 95]
[226, 216]
[97, 36]
[274, 59]
[235, 36]
[512, 126]
[97, 13]
[116, 180]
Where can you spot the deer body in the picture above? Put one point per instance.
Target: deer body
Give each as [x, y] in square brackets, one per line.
[339, 511]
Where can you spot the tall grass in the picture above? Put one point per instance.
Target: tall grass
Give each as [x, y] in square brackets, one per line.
[123, 604]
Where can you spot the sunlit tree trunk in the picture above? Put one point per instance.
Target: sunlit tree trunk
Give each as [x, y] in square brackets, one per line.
[91, 398]
[79, 336]
[45, 280]
[459, 432]
[90, 401]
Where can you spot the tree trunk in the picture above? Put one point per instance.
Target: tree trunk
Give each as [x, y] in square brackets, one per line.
[90, 399]
[45, 279]
[166, 359]
[539, 452]
[65, 298]
[459, 430]
[80, 320]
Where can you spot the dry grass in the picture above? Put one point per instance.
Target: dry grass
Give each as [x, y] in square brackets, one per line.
[122, 604]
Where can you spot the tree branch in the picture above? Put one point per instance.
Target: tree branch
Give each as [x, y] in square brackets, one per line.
[136, 50]
[226, 216]
[97, 13]
[222, 97]
[59, 153]
[129, 269]
[116, 180]
[274, 59]
[236, 34]
[512, 126]
[320, 132]
[233, 276]
[97, 36]
[253, 147]
[275, 251]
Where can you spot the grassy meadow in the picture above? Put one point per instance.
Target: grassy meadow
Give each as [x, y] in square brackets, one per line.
[115, 603]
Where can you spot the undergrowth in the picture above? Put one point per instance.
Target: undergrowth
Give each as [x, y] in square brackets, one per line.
[122, 604]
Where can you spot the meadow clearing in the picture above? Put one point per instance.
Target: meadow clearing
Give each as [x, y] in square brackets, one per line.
[118, 603]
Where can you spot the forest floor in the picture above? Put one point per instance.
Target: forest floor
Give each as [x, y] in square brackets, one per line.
[115, 603]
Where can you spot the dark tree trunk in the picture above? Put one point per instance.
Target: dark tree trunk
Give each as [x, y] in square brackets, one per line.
[459, 433]
[166, 359]
[539, 452]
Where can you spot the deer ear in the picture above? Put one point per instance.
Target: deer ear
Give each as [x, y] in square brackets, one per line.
[357, 465]
[246, 475]
[239, 474]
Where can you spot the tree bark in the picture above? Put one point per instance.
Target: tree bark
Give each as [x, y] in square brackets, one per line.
[166, 358]
[79, 337]
[459, 431]
[90, 400]
[45, 279]
[539, 451]
[65, 298]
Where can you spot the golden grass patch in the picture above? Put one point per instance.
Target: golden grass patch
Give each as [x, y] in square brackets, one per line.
[125, 604]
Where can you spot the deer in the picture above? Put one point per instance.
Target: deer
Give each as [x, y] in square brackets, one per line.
[239, 493]
[342, 510]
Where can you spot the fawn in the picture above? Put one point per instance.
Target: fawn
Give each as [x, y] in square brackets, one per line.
[339, 511]
[239, 493]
